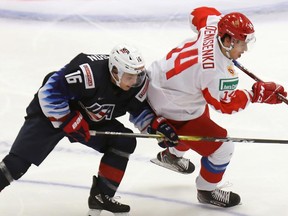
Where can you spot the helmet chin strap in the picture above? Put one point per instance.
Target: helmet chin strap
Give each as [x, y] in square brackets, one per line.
[227, 49]
[117, 82]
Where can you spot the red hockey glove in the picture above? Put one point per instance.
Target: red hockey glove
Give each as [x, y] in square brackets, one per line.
[266, 92]
[76, 127]
[160, 125]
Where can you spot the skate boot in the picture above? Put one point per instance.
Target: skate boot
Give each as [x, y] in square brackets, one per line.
[219, 198]
[98, 201]
[172, 162]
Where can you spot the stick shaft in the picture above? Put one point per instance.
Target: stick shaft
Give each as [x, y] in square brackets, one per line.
[190, 138]
[253, 76]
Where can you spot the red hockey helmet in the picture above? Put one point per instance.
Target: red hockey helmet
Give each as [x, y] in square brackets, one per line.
[236, 25]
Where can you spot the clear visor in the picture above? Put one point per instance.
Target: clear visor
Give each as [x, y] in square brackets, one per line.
[250, 38]
[246, 45]
[133, 80]
[250, 41]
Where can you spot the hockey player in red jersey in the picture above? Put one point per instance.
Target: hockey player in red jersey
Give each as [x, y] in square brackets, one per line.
[197, 73]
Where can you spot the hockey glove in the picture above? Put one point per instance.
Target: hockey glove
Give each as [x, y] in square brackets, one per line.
[76, 127]
[266, 92]
[160, 125]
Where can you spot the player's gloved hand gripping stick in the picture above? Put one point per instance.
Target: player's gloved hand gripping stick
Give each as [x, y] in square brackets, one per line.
[76, 127]
[267, 92]
[168, 137]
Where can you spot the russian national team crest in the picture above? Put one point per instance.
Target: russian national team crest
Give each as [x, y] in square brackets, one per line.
[231, 70]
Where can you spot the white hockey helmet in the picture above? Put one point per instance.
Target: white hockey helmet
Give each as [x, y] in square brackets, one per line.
[127, 59]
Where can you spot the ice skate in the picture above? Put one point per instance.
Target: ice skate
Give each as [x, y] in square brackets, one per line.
[170, 161]
[98, 202]
[96, 212]
[219, 198]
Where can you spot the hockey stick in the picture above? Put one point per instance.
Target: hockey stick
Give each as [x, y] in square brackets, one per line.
[253, 76]
[190, 138]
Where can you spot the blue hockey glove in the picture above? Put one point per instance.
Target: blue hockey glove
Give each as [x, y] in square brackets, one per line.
[160, 125]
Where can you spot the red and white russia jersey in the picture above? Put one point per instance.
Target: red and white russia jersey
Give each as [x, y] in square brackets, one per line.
[194, 74]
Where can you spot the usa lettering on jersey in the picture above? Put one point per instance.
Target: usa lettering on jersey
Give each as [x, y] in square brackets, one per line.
[97, 112]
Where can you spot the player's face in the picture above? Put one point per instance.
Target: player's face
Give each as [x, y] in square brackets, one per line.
[128, 81]
[239, 48]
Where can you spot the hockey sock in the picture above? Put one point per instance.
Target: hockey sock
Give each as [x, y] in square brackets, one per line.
[5, 176]
[211, 172]
[111, 171]
[16, 165]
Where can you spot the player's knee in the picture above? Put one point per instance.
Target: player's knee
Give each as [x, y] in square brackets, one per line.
[223, 154]
[15, 166]
[125, 144]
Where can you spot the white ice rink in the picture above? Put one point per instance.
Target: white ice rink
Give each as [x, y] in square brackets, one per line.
[37, 37]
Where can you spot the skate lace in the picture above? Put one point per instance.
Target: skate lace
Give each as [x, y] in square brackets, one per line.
[220, 195]
[111, 199]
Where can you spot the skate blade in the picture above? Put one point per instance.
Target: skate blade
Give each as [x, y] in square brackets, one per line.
[122, 214]
[96, 212]
[167, 166]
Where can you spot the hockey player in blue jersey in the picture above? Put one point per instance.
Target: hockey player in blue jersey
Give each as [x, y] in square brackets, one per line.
[89, 93]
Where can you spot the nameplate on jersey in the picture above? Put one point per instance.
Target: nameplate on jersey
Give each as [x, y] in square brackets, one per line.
[98, 57]
[228, 84]
[88, 76]
[142, 94]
